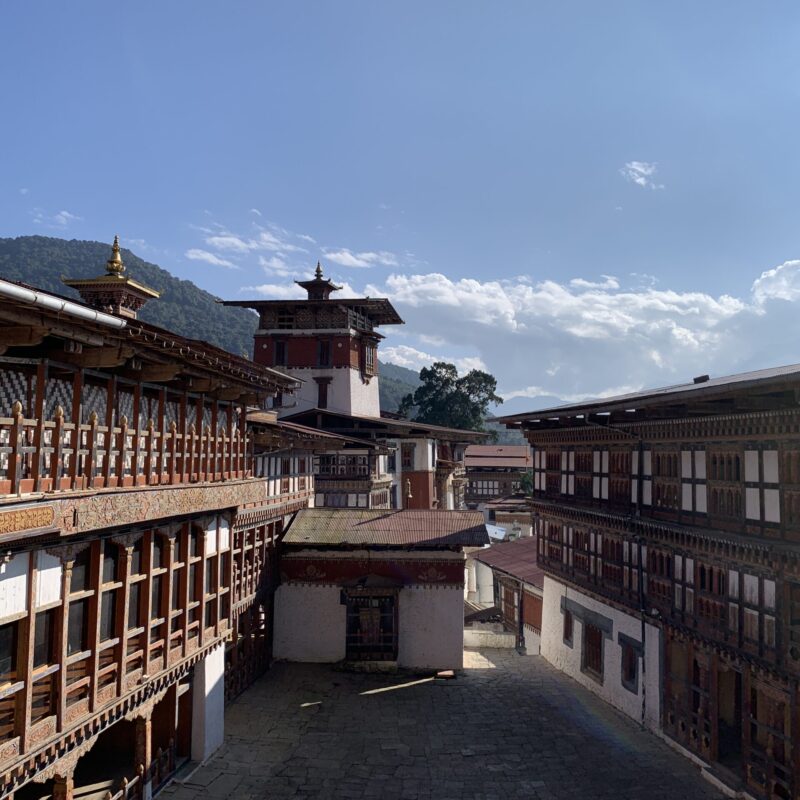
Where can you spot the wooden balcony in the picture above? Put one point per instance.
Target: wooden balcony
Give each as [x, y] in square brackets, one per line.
[38, 455]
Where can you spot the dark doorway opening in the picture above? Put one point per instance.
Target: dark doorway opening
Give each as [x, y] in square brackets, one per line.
[729, 705]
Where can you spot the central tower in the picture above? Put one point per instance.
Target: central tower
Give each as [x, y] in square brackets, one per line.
[330, 344]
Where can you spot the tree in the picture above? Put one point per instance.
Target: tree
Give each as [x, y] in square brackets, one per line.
[445, 399]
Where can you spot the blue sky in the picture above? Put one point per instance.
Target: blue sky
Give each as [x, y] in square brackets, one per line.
[581, 197]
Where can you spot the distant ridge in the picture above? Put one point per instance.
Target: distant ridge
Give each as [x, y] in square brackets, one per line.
[42, 261]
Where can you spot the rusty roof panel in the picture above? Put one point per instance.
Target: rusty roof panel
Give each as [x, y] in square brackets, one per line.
[517, 559]
[351, 527]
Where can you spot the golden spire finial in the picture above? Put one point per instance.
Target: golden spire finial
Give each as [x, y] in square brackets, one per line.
[318, 271]
[114, 265]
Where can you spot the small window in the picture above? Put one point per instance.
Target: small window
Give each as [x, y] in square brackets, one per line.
[110, 561]
[108, 616]
[630, 667]
[136, 559]
[44, 638]
[593, 650]
[8, 651]
[79, 580]
[78, 627]
[567, 628]
[134, 602]
[155, 597]
[280, 354]
[158, 552]
[324, 353]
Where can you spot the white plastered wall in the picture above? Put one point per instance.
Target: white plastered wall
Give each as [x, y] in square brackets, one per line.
[208, 704]
[485, 581]
[310, 623]
[568, 659]
[431, 627]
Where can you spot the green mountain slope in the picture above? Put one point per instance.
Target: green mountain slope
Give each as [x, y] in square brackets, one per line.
[183, 308]
[42, 261]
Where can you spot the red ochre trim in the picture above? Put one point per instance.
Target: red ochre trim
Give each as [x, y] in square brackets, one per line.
[338, 571]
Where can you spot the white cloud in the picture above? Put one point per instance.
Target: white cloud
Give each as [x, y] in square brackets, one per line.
[610, 282]
[584, 338]
[780, 283]
[411, 358]
[641, 173]
[277, 291]
[255, 211]
[203, 255]
[228, 242]
[306, 238]
[60, 220]
[24, 190]
[275, 265]
[347, 258]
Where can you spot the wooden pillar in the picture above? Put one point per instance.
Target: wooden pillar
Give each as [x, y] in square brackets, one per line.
[63, 633]
[63, 788]
[22, 717]
[144, 748]
[77, 389]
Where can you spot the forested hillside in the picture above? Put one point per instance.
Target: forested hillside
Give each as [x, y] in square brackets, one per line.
[42, 261]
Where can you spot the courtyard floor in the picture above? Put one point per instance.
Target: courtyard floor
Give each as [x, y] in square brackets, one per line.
[507, 727]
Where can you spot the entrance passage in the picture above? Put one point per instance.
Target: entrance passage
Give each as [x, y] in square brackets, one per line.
[371, 627]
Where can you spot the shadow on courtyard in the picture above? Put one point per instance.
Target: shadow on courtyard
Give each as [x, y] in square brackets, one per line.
[509, 726]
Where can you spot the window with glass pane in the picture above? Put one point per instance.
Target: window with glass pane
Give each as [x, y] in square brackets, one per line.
[8, 651]
[176, 591]
[134, 602]
[210, 582]
[193, 582]
[108, 616]
[44, 638]
[78, 627]
[79, 580]
[110, 561]
[155, 597]
[158, 552]
[136, 559]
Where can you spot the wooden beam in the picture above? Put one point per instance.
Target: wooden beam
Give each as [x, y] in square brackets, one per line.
[23, 335]
[94, 357]
[203, 385]
[159, 373]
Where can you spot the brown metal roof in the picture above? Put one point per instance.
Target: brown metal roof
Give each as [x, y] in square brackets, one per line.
[356, 424]
[498, 455]
[343, 527]
[517, 559]
[772, 379]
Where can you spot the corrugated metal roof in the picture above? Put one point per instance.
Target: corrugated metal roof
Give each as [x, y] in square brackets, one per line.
[498, 455]
[517, 559]
[333, 526]
[781, 376]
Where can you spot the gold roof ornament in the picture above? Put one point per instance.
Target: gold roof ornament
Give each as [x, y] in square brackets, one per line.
[113, 292]
[114, 265]
[318, 271]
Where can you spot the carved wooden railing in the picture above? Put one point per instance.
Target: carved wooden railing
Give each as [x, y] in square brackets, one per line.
[38, 455]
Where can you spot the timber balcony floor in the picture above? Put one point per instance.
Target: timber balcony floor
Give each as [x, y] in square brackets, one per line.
[509, 726]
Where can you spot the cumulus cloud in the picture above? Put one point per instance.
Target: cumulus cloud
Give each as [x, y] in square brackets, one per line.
[582, 338]
[642, 173]
[196, 254]
[609, 282]
[347, 258]
[411, 358]
[60, 220]
[255, 211]
[276, 291]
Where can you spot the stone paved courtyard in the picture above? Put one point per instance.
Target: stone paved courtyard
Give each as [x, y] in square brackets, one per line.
[508, 727]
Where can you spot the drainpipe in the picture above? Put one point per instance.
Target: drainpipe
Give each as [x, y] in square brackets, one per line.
[31, 297]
